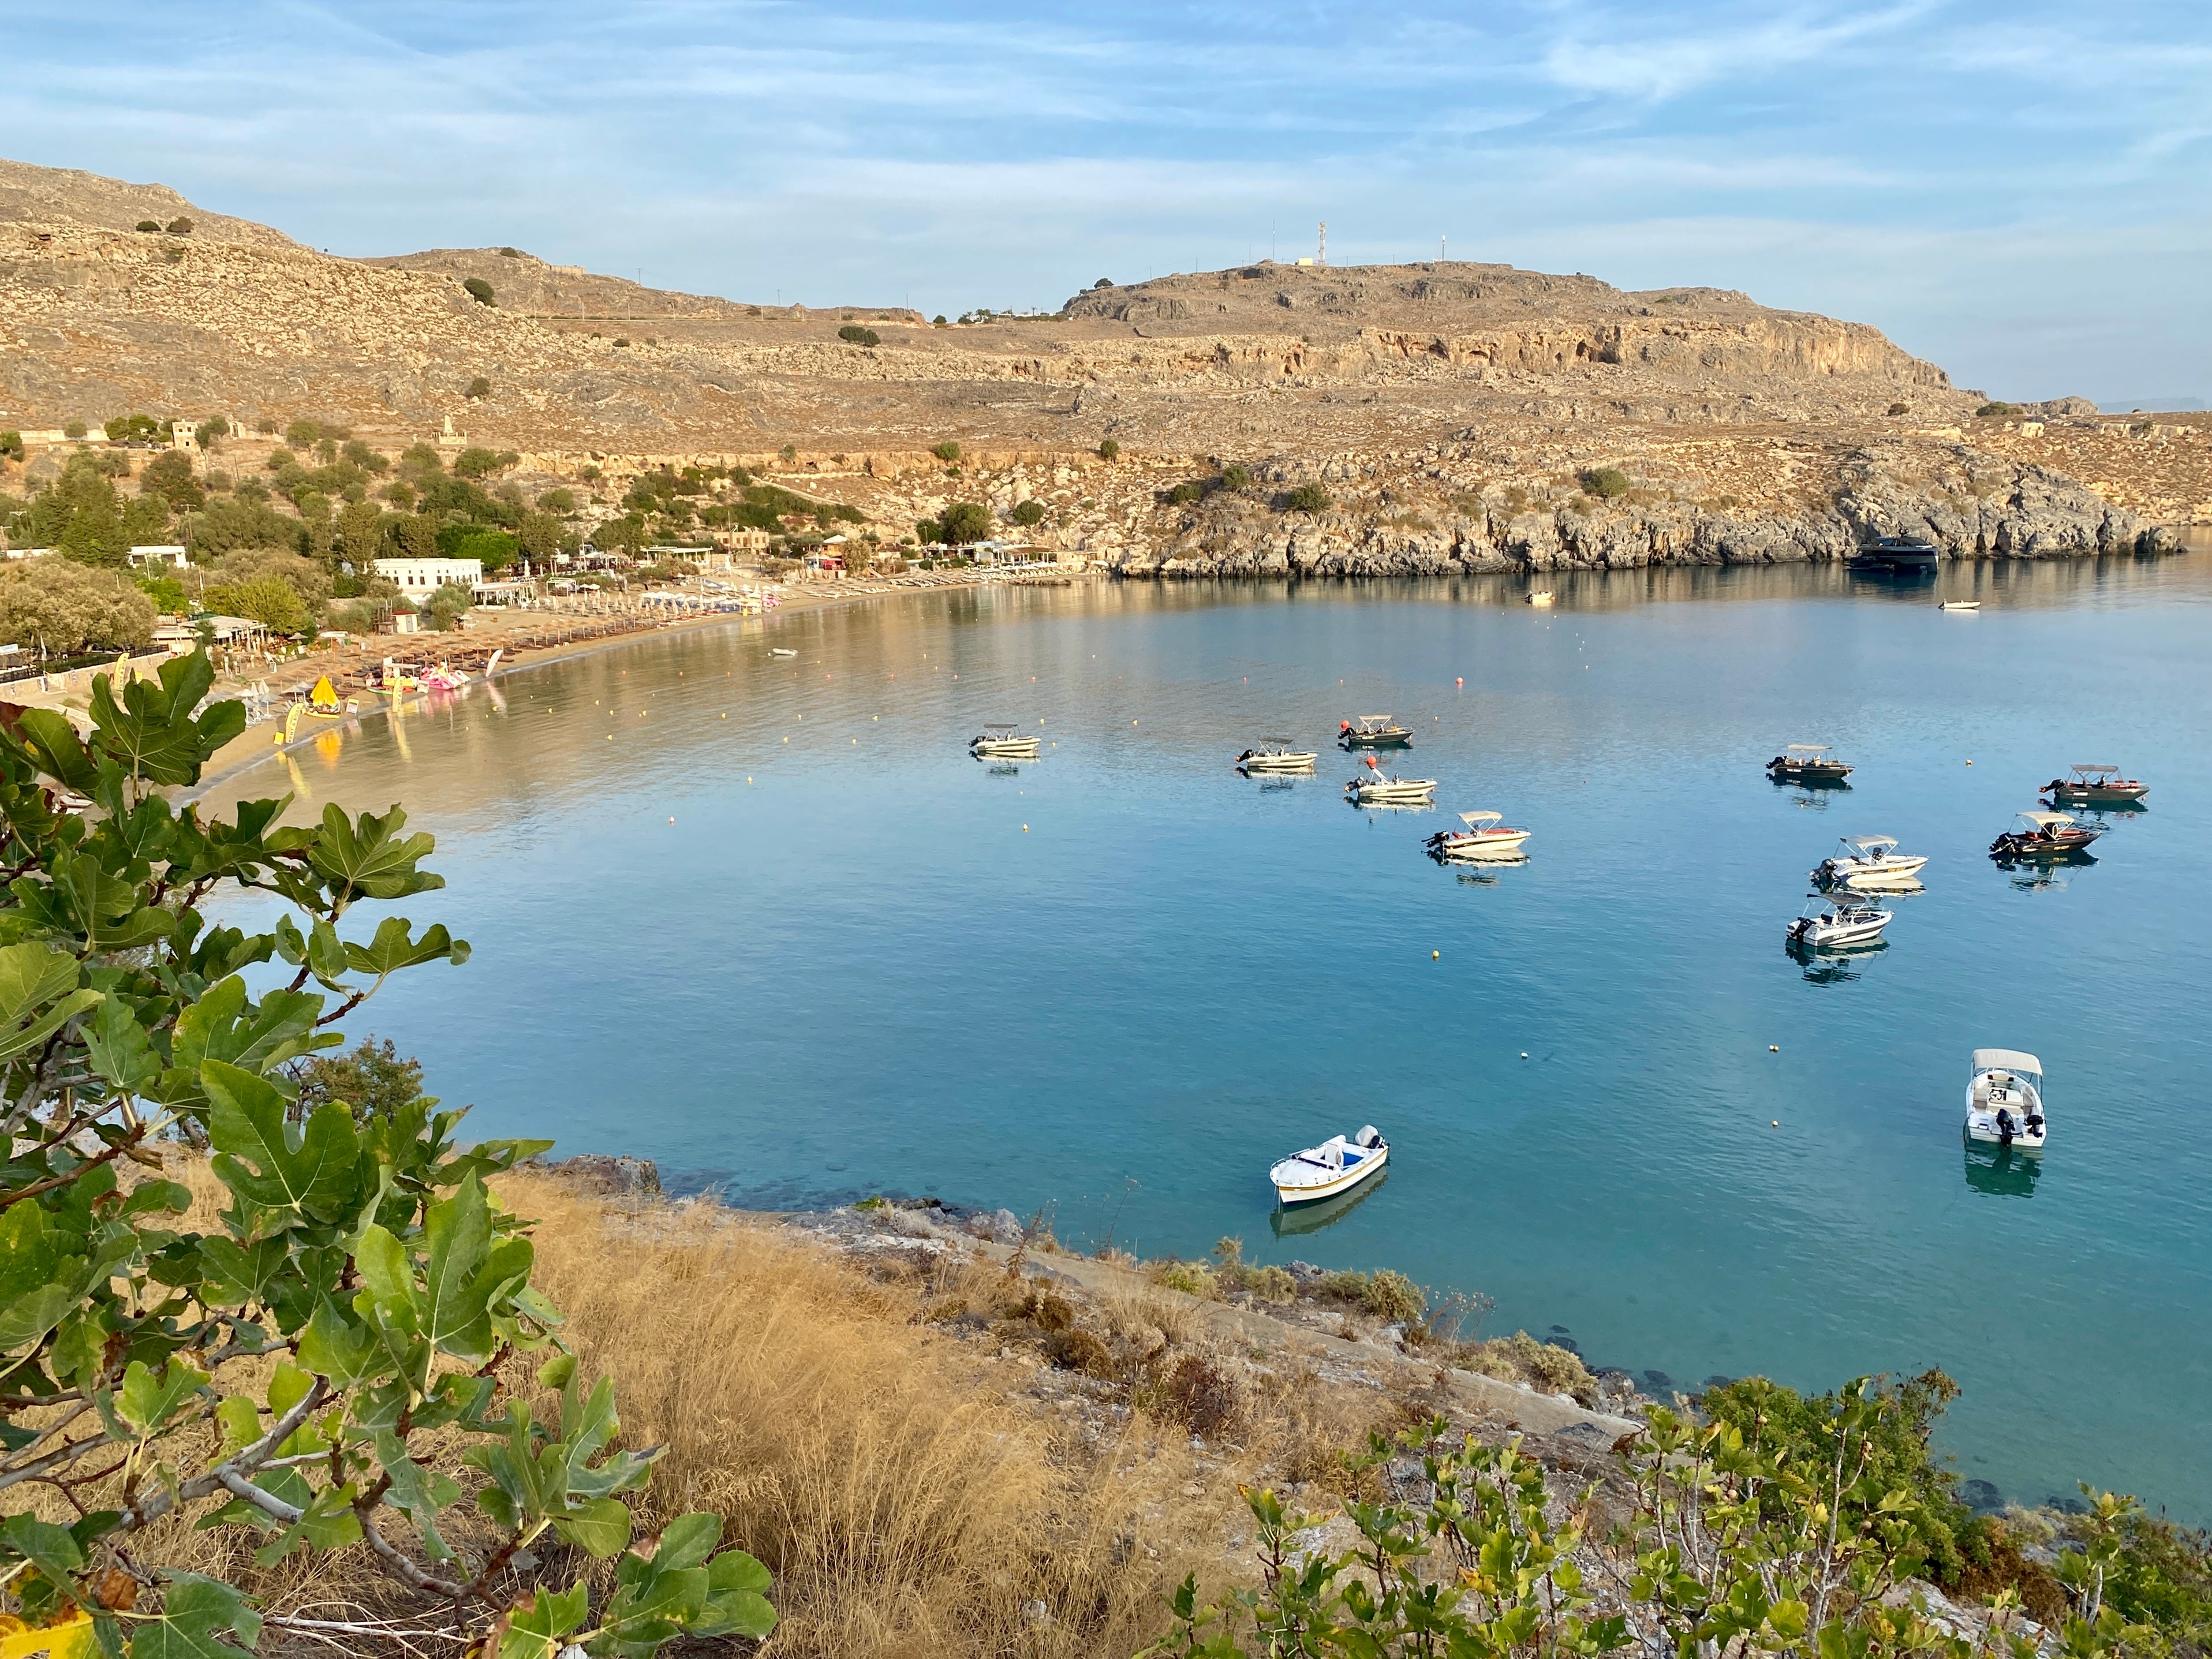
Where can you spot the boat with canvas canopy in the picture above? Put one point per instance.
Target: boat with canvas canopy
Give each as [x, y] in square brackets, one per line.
[2004, 1099]
[1808, 762]
[1485, 836]
[2044, 835]
[1276, 755]
[2095, 783]
[1869, 861]
[1332, 1168]
[1832, 919]
[1372, 732]
[1002, 740]
[1376, 788]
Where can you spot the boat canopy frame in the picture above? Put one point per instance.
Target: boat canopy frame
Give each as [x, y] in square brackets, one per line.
[2089, 770]
[1476, 820]
[2049, 820]
[1864, 845]
[2009, 1060]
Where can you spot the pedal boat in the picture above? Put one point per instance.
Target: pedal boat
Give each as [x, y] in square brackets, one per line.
[1330, 1169]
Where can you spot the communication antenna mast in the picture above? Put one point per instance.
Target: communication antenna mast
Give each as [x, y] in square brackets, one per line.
[1321, 253]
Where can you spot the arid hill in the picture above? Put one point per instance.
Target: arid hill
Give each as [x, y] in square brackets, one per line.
[1451, 411]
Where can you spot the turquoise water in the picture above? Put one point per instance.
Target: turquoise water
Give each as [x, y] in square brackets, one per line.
[1118, 981]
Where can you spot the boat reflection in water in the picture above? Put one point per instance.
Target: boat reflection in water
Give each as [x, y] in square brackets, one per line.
[1312, 1217]
[1832, 964]
[2001, 1171]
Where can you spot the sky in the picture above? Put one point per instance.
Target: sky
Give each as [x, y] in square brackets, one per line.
[2021, 191]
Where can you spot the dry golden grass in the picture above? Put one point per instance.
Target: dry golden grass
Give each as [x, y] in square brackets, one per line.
[904, 1504]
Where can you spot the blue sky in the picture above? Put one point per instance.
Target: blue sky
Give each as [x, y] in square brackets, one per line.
[2018, 190]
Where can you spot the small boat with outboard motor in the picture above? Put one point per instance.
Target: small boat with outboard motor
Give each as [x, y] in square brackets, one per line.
[1376, 788]
[1808, 762]
[1276, 755]
[1542, 596]
[2044, 835]
[2096, 783]
[1962, 605]
[781, 650]
[1869, 861]
[2004, 1099]
[1832, 919]
[1486, 836]
[1332, 1168]
[1898, 556]
[1003, 740]
[1372, 732]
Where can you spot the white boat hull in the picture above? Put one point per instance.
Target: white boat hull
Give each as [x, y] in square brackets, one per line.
[1504, 845]
[1279, 764]
[1330, 1185]
[1010, 751]
[1983, 1125]
[1820, 935]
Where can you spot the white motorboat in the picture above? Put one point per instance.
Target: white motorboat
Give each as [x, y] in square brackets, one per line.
[1333, 1168]
[1276, 755]
[2037, 837]
[1003, 742]
[1962, 605]
[1830, 920]
[1376, 788]
[1541, 596]
[1373, 731]
[2004, 1099]
[779, 651]
[1485, 836]
[1869, 861]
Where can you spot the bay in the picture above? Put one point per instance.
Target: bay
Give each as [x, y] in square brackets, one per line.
[762, 919]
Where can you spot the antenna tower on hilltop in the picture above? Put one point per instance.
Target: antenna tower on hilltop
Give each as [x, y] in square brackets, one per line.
[1321, 253]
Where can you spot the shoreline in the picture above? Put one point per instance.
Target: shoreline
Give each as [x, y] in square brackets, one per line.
[253, 745]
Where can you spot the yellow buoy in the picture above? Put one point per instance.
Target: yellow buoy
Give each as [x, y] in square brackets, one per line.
[1776, 1124]
[1025, 828]
[1436, 955]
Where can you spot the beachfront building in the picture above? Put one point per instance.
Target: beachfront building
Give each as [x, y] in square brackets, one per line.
[426, 576]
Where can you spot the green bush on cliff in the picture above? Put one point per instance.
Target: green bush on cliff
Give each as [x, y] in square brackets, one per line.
[1606, 483]
[285, 1376]
[1308, 498]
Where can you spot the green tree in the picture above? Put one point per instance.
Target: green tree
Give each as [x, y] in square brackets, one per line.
[476, 462]
[63, 608]
[215, 426]
[169, 475]
[370, 1082]
[1109, 450]
[1308, 498]
[73, 430]
[947, 451]
[167, 593]
[558, 500]
[363, 1300]
[149, 224]
[965, 522]
[1234, 477]
[479, 387]
[447, 605]
[1028, 515]
[11, 446]
[1606, 483]
[539, 538]
[418, 536]
[180, 226]
[479, 290]
[270, 600]
[300, 433]
[854, 334]
[359, 536]
[928, 531]
[238, 522]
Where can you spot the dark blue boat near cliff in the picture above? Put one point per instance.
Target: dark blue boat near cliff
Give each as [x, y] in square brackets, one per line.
[1898, 556]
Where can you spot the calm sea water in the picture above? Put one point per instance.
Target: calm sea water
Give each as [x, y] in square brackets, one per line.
[763, 918]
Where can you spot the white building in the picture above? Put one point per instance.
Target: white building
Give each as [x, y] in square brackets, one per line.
[426, 576]
[153, 558]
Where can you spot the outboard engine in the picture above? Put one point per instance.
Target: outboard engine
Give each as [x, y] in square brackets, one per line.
[2005, 1127]
[2035, 1123]
[1369, 1135]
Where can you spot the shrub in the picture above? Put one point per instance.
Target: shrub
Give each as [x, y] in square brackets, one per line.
[789, 452]
[1184, 494]
[360, 1293]
[1109, 450]
[1079, 1350]
[302, 434]
[1029, 514]
[62, 607]
[1273, 1285]
[149, 224]
[1521, 1358]
[73, 430]
[11, 446]
[1103, 282]
[854, 334]
[622, 339]
[948, 451]
[479, 387]
[371, 1082]
[510, 252]
[180, 226]
[928, 531]
[1898, 408]
[1201, 1395]
[1191, 1278]
[1308, 498]
[1392, 1297]
[479, 290]
[477, 462]
[1606, 483]
[1993, 411]
[937, 321]
[170, 477]
[270, 600]
[1234, 477]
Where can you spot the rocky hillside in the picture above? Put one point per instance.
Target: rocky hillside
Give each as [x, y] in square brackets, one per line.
[1448, 412]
